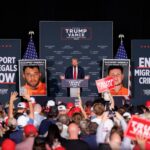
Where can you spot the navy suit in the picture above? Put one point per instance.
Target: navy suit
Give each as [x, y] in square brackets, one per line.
[69, 75]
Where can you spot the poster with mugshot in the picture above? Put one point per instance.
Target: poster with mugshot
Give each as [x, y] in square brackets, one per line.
[118, 69]
[32, 77]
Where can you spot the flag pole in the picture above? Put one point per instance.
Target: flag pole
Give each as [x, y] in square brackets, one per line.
[31, 33]
[121, 36]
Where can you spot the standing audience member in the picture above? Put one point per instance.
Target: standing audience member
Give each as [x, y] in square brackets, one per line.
[30, 133]
[53, 139]
[51, 119]
[74, 143]
[38, 118]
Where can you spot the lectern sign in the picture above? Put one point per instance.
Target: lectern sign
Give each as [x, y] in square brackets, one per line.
[75, 83]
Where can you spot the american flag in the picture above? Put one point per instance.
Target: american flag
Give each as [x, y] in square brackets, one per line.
[30, 52]
[121, 54]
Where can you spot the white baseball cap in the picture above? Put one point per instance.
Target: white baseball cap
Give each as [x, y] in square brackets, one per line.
[50, 103]
[22, 121]
[21, 105]
[127, 114]
[61, 107]
[32, 100]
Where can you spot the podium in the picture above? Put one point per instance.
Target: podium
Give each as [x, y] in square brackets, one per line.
[74, 85]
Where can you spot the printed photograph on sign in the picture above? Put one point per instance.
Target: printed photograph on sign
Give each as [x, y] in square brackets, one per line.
[118, 69]
[32, 77]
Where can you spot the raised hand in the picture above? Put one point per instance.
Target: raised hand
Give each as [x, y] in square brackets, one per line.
[26, 95]
[13, 96]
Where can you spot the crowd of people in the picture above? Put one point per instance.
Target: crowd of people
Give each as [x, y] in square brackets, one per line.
[93, 125]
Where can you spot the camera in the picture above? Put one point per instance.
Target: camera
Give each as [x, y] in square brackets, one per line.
[111, 114]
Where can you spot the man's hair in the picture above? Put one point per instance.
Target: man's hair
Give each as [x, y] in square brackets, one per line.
[24, 67]
[115, 67]
[74, 58]
[98, 109]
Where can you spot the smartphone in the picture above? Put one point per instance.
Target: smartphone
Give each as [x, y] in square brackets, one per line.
[111, 114]
[76, 102]
[22, 91]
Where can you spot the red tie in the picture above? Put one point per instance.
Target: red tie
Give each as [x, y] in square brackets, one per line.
[75, 74]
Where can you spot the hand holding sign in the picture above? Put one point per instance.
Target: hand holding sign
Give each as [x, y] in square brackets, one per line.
[105, 84]
[141, 142]
[138, 127]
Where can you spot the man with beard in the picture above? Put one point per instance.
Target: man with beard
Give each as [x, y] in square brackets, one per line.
[33, 83]
[116, 72]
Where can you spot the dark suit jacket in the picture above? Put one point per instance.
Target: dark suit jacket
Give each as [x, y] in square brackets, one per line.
[69, 75]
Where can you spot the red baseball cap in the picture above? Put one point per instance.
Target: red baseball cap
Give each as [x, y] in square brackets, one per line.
[8, 144]
[60, 148]
[30, 129]
[147, 104]
[70, 105]
[76, 110]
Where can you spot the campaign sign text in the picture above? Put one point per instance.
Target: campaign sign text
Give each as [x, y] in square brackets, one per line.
[104, 84]
[138, 127]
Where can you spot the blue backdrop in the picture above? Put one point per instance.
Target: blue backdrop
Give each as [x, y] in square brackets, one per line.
[89, 41]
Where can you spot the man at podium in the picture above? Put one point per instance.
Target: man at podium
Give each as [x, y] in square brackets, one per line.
[74, 72]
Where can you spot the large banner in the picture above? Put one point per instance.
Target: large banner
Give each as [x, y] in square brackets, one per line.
[141, 71]
[89, 41]
[10, 53]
